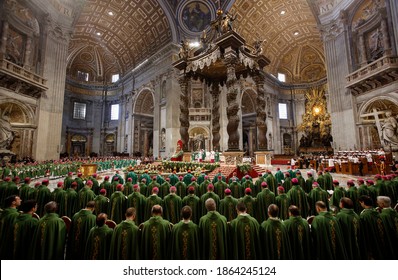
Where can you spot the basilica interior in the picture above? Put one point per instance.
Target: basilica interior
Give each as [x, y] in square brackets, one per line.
[133, 77]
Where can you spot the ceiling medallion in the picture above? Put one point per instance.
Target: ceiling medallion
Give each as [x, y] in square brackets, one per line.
[195, 16]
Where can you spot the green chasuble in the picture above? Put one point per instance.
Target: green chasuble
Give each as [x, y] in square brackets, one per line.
[317, 194]
[26, 192]
[287, 184]
[125, 242]
[85, 195]
[7, 220]
[299, 237]
[98, 243]
[219, 188]
[150, 202]
[118, 203]
[250, 203]
[194, 202]
[264, 199]
[173, 179]
[164, 189]
[181, 188]
[298, 197]
[213, 233]
[68, 182]
[24, 228]
[271, 182]
[155, 243]
[202, 188]
[185, 241]
[244, 238]
[70, 204]
[43, 195]
[82, 222]
[338, 193]
[328, 181]
[279, 176]
[308, 184]
[138, 201]
[101, 204]
[275, 240]
[128, 189]
[206, 196]
[58, 195]
[283, 203]
[321, 181]
[352, 193]
[349, 224]
[328, 243]
[390, 220]
[236, 189]
[228, 207]
[172, 207]
[49, 238]
[372, 235]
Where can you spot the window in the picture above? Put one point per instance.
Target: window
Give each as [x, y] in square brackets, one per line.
[82, 76]
[281, 77]
[115, 78]
[79, 111]
[114, 112]
[282, 111]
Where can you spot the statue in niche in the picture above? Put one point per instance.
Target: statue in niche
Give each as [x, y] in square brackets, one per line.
[389, 130]
[198, 143]
[376, 45]
[258, 49]
[6, 133]
[163, 139]
[184, 50]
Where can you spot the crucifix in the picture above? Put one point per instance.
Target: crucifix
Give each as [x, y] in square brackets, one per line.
[376, 114]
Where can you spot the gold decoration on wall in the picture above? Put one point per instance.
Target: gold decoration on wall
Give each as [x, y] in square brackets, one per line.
[316, 123]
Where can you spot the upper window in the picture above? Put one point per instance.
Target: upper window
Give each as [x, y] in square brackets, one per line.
[115, 78]
[82, 76]
[281, 77]
[114, 112]
[282, 111]
[79, 111]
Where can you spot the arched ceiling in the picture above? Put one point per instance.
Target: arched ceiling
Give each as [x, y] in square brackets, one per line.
[126, 32]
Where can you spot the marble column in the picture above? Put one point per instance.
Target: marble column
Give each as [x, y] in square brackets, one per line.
[4, 35]
[261, 114]
[184, 112]
[233, 106]
[28, 51]
[54, 60]
[215, 116]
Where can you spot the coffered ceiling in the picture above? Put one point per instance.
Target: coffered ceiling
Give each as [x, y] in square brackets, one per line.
[114, 36]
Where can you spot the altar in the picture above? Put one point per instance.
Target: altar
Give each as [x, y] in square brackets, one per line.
[88, 169]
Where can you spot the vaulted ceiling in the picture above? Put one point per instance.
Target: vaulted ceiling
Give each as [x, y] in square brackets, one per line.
[114, 36]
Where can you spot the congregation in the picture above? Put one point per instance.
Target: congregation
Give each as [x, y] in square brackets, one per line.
[280, 215]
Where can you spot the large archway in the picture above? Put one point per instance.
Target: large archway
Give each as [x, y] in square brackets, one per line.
[248, 106]
[143, 110]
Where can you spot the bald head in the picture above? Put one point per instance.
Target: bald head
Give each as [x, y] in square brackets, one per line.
[210, 204]
[273, 210]
[157, 210]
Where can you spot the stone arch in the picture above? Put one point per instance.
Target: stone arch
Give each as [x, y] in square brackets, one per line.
[249, 113]
[22, 121]
[194, 133]
[143, 113]
[371, 116]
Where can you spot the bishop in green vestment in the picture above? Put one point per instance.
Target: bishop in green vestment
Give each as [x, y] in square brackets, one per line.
[118, 204]
[24, 228]
[99, 240]
[210, 194]
[86, 194]
[372, 231]
[152, 200]
[274, 237]
[390, 220]
[43, 195]
[156, 233]
[298, 197]
[228, 205]
[193, 202]
[213, 233]
[172, 206]
[328, 243]
[126, 239]
[299, 234]
[244, 232]
[185, 238]
[50, 235]
[249, 201]
[264, 199]
[349, 224]
[138, 201]
[283, 203]
[101, 203]
[7, 220]
[81, 224]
